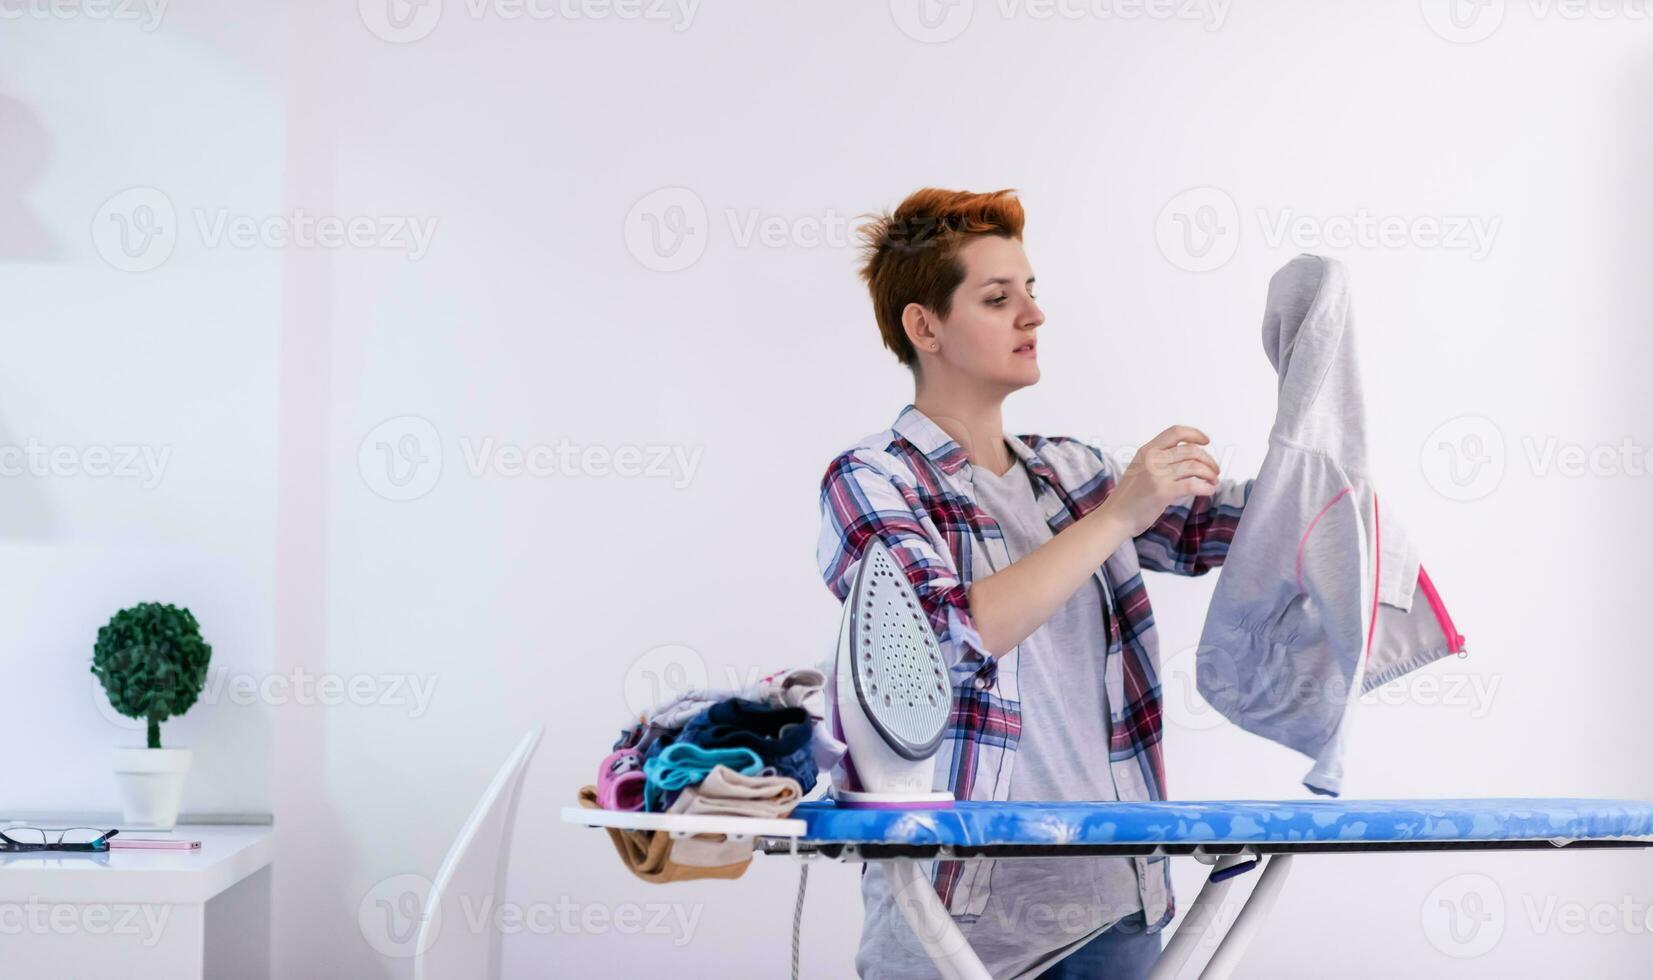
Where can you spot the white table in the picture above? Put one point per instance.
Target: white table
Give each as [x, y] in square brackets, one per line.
[141, 913]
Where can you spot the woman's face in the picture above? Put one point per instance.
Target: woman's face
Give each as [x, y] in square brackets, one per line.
[989, 337]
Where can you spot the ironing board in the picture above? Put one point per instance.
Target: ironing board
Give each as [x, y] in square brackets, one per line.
[1236, 836]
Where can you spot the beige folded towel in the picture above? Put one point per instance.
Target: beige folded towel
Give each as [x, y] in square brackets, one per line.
[726, 793]
[649, 854]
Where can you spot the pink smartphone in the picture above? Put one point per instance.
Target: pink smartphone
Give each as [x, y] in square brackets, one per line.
[153, 843]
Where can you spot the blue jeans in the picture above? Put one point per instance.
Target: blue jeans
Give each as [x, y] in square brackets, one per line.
[1125, 951]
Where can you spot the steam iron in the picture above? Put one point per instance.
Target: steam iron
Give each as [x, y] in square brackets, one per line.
[891, 693]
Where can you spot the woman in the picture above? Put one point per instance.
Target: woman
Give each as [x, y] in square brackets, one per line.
[1026, 553]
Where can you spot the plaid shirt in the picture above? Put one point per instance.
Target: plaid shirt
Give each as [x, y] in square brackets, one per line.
[905, 485]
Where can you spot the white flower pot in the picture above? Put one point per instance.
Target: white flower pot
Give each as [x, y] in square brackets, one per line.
[151, 783]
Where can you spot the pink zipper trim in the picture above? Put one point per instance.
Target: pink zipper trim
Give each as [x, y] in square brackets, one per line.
[1377, 572]
[1454, 642]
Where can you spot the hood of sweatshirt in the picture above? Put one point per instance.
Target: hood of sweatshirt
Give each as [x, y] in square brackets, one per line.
[1308, 334]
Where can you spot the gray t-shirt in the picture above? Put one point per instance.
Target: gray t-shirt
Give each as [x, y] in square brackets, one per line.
[1039, 909]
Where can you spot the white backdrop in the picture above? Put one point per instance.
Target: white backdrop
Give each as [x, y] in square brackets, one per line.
[539, 433]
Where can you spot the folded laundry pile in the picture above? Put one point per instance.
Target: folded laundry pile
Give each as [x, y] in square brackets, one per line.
[755, 752]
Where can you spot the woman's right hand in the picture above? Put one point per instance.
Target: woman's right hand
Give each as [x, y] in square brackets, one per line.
[1167, 468]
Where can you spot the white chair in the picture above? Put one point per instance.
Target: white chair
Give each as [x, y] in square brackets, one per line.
[448, 949]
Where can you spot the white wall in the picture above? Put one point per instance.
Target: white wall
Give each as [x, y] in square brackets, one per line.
[529, 320]
[150, 379]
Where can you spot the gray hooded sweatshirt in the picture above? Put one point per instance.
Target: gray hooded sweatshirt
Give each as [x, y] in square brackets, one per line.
[1322, 596]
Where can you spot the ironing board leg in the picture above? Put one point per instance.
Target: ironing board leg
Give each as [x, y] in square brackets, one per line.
[1204, 918]
[1250, 920]
[916, 897]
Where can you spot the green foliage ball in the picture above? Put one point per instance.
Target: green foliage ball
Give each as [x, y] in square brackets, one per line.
[152, 662]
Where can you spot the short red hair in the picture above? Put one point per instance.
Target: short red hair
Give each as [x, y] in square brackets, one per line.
[911, 256]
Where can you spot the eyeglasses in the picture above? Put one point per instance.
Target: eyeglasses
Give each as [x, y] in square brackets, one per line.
[70, 839]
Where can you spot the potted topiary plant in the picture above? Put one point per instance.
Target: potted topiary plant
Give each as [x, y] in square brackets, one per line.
[153, 664]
